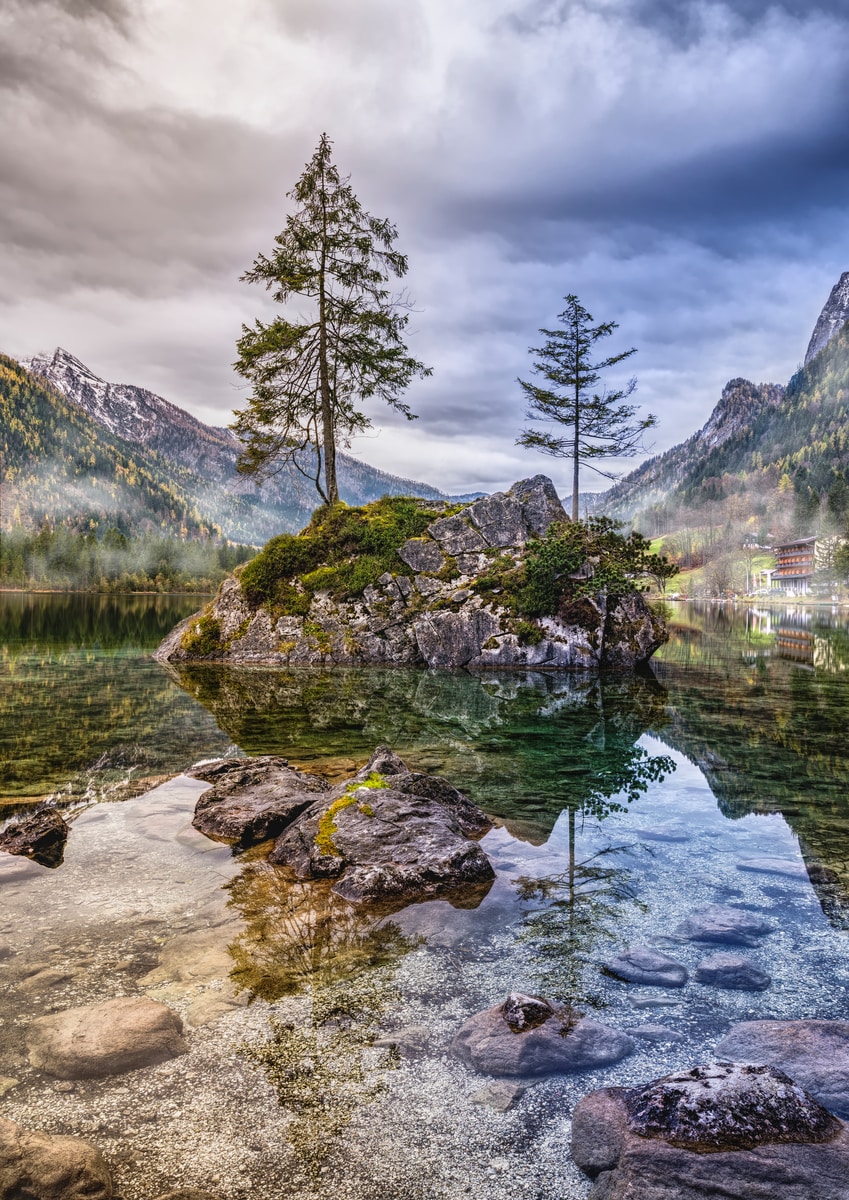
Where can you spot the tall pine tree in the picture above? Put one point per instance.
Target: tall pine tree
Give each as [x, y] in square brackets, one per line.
[599, 424]
[309, 371]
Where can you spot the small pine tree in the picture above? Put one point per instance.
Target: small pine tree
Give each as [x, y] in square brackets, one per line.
[600, 424]
[309, 374]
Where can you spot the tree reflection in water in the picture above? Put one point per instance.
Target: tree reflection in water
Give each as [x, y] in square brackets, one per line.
[301, 939]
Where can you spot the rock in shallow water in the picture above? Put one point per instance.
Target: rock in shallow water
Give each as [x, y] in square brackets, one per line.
[641, 964]
[561, 1042]
[39, 1166]
[41, 837]
[725, 1129]
[733, 973]
[408, 838]
[252, 799]
[105, 1039]
[499, 1096]
[721, 923]
[815, 1053]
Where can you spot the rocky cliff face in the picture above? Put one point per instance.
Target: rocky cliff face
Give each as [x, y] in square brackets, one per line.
[436, 610]
[739, 405]
[833, 317]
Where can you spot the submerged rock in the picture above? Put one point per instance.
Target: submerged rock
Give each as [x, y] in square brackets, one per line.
[733, 973]
[725, 1129]
[252, 799]
[105, 1039]
[41, 837]
[721, 923]
[42, 1166]
[390, 834]
[641, 964]
[815, 1053]
[452, 612]
[500, 1096]
[546, 1040]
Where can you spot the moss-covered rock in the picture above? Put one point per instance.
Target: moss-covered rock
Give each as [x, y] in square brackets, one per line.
[506, 581]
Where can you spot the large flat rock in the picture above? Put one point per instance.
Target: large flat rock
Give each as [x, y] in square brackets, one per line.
[815, 1053]
[720, 1130]
[252, 799]
[642, 964]
[724, 924]
[105, 1039]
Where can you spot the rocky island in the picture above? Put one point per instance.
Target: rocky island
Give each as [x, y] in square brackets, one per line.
[504, 581]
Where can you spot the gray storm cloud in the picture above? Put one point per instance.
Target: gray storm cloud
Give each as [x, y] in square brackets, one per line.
[682, 167]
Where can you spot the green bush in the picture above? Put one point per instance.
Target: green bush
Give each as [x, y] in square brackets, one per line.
[528, 633]
[582, 559]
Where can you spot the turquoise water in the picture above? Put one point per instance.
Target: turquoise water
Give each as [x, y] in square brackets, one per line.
[620, 804]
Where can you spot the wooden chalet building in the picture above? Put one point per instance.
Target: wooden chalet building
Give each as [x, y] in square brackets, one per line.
[795, 563]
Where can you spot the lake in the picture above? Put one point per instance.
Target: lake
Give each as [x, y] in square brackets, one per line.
[620, 804]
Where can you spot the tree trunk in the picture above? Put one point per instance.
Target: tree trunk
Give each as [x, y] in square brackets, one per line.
[328, 439]
[327, 430]
[576, 462]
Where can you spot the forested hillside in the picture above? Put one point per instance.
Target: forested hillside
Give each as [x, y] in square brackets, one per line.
[782, 462]
[80, 508]
[59, 467]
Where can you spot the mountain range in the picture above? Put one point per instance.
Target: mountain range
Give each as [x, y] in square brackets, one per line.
[181, 463]
[764, 445]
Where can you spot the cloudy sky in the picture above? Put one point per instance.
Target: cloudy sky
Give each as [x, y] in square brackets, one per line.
[682, 166]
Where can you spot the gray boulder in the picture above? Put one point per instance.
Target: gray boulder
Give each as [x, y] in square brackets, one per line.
[252, 799]
[725, 1129]
[41, 1166]
[641, 964]
[721, 923]
[105, 1039]
[40, 836]
[456, 535]
[732, 972]
[545, 1039]
[815, 1053]
[409, 838]
[449, 639]
[422, 554]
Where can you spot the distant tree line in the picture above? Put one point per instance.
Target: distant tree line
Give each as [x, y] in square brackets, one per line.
[61, 559]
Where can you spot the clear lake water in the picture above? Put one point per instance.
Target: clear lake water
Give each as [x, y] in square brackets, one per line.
[620, 805]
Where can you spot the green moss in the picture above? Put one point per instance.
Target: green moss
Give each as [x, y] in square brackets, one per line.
[501, 577]
[448, 571]
[327, 825]
[342, 551]
[290, 601]
[528, 633]
[204, 636]
[319, 635]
